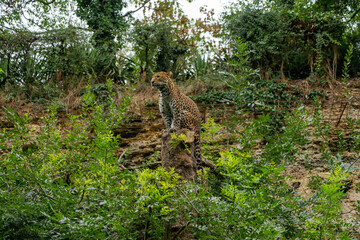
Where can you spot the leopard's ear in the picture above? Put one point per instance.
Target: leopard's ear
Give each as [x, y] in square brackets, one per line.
[170, 74]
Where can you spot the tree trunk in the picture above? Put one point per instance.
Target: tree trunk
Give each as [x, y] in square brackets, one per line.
[178, 154]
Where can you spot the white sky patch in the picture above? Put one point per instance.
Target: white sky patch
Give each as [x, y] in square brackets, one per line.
[192, 10]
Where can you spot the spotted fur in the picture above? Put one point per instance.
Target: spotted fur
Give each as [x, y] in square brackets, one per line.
[178, 110]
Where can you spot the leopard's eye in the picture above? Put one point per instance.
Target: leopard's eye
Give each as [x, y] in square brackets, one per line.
[158, 76]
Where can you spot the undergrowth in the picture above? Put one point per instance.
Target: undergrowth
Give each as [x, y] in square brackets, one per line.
[65, 183]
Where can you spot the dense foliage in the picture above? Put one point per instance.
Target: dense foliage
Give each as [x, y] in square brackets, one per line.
[157, 47]
[55, 187]
[295, 39]
[40, 68]
[65, 180]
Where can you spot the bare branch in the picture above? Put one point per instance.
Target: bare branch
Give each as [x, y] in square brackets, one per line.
[188, 200]
[134, 11]
[121, 156]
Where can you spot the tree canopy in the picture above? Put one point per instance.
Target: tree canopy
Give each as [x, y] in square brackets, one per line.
[295, 39]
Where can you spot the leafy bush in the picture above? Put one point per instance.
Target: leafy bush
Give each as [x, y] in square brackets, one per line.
[314, 94]
[31, 62]
[157, 47]
[250, 206]
[294, 39]
[252, 93]
[326, 221]
[267, 96]
[265, 32]
[67, 185]
[58, 175]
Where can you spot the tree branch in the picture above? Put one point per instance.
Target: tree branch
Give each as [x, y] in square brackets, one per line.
[188, 200]
[40, 1]
[134, 11]
[181, 230]
[354, 14]
[45, 32]
[47, 3]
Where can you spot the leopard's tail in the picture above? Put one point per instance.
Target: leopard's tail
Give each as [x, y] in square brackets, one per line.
[197, 146]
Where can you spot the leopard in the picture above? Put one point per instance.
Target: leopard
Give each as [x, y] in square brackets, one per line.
[178, 110]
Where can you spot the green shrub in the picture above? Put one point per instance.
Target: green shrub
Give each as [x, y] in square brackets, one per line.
[265, 32]
[66, 184]
[62, 181]
[252, 93]
[295, 39]
[326, 221]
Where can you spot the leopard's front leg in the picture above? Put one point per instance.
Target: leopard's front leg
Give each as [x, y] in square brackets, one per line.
[176, 121]
[167, 120]
[166, 112]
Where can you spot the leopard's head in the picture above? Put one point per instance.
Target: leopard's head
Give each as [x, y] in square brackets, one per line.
[161, 79]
